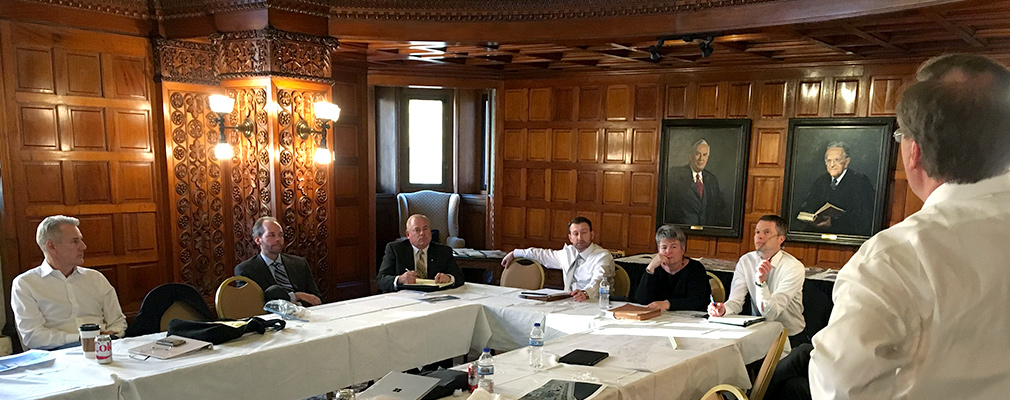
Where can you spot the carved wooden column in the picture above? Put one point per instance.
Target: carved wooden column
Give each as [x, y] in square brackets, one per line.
[275, 77]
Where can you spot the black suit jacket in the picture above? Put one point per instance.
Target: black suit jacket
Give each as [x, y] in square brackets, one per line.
[399, 258]
[298, 273]
[854, 194]
[685, 205]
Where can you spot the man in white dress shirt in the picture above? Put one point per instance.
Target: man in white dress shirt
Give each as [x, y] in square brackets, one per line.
[920, 309]
[583, 263]
[772, 277]
[52, 300]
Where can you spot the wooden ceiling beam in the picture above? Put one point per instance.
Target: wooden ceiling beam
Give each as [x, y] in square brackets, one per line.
[826, 45]
[873, 38]
[957, 30]
[742, 49]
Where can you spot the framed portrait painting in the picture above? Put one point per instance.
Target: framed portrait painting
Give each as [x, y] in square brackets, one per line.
[702, 171]
[836, 178]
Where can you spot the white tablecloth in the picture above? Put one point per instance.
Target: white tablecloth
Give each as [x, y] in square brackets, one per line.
[363, 339]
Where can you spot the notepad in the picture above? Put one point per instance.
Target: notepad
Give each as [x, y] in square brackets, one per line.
[635, 312]
[153, 349]
[738, 320]
[426, 285]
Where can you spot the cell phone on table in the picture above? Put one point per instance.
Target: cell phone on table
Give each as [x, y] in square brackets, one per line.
[170, 342]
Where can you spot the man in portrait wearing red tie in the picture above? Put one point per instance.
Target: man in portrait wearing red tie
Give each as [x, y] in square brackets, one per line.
[406, 261]
[693, 194]
[772, 277]
[281, 276]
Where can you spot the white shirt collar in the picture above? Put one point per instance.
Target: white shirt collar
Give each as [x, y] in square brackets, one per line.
[417, 250]
[47, 269]
[269, 261]
[955, 191]
[842, 175]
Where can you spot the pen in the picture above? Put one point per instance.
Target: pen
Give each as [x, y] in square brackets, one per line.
[712, 298]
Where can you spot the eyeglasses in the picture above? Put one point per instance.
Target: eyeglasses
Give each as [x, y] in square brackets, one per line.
[830, 161]
[897, 135]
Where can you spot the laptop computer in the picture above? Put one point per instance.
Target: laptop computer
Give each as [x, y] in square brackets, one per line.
[398, 385]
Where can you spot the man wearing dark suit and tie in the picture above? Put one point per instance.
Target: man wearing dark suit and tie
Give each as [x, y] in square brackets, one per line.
[282, 276]
[693, 195]
[417, 257]
[844, 188]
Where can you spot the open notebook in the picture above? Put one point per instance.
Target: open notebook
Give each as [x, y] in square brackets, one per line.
[153, 349]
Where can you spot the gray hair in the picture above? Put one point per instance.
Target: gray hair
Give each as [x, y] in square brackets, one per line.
[959, 114]
[671, 232]
[699, 143]
[838, 145]
[49, 229]
[258, 228]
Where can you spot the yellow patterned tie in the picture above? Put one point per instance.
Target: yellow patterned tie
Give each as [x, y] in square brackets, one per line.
[421, 266]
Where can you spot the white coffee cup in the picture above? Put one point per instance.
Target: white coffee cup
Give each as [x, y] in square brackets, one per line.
[88, 334]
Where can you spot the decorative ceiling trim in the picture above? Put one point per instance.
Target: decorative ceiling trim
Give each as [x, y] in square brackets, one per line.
[272, 52]
[518, 10]
[183, 61]
[126, 8]
[173, 9]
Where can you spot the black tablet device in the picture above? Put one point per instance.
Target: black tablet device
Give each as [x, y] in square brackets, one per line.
[583, 357]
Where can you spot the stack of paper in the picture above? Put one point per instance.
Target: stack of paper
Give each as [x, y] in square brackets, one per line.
[635, 313]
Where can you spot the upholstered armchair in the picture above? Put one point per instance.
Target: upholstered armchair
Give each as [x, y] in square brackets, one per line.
[442, 210]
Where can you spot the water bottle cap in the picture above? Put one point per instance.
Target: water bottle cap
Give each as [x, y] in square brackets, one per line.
[487, 350]
[536, 324]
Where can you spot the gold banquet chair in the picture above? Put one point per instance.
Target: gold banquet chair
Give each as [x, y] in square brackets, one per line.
[524, 274]
[241, 300]
[718, 290]
[622, 282]
[764, 376]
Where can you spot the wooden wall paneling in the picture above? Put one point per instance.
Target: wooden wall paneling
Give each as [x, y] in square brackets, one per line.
[537, 184]
[615, 188]
[676, 101]
[738, 100]
[516, 104]
[616, 143]
[589, 145]
[563, 145]
[564, 104]
[540, 104]
[884, 93]
[514, 183]
[643, 186]
[808, 98]
[588, 187]
[62, 145]
[562, 185]
[131, 130]
[513, 223]
[846, 97]
[767, 192]
[590, 103]
[768, 149]
[538, 145]
[710, 101]
[613, 231]
[619, 102]
[536, 223]
[642, 233]
[515, 143]
[473, 220]
[249, 180]
[773, 99]
[644, 146]
[646, 107]
[729, 248]
[700, 246]
[559, 224]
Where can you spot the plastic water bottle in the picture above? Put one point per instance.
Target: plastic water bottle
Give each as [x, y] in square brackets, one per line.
[485, 371]
[605, 294]
[537, 347]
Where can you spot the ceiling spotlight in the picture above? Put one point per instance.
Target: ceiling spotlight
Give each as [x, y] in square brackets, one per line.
[706, 46]
[654, 53]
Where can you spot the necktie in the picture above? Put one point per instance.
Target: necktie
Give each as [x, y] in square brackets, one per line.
[834, 182]
[578, 260]
[699, 184]
[281, 275]
[421, 266]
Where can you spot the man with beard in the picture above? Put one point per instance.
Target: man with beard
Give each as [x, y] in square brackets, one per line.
[282, 276]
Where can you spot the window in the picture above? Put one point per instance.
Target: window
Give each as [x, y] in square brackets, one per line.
[426, 132]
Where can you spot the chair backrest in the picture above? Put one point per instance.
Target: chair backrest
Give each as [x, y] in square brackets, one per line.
[160, 305]
[764, 376]
[523, 274]
[442, 210]
[179, 310]
[239, 301]
[622, 282]
[718, 290]
[716, 393]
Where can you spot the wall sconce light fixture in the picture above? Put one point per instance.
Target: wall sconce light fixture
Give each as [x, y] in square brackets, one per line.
[325, 112]
[222, 105]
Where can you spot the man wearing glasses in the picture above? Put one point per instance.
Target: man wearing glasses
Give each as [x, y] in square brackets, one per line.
[772, 277]
[844, 188]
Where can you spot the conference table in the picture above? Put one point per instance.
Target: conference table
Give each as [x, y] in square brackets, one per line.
[359, 340]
